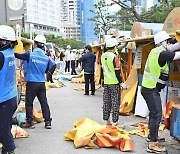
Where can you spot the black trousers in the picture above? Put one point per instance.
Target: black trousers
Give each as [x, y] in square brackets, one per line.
[50, 73]
[153, 101]
[38, 89]
[7, 110]
[89, 78]
[67, 67]
[73, 66]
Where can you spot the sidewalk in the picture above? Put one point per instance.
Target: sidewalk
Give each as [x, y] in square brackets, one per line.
[67, 106]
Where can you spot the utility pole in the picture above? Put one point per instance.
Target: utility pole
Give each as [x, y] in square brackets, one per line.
[23, 24]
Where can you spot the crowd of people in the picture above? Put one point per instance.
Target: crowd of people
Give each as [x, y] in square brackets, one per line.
[156, 74]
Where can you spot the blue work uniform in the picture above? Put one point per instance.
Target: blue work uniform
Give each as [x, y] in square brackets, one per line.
[37, 66]
[8, 103]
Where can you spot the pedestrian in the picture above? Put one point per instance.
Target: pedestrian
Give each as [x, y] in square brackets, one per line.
[73, 63]
[51, 54]
[88, 59]
[62, 62]
[52, 67]
[8, 102]
[112, 83]
[155, 76]
[37, 66]
[67, 58]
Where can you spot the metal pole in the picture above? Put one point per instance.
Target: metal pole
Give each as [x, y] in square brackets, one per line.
[6, 10]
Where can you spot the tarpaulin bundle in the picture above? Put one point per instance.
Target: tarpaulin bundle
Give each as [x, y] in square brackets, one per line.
[21, 111]
[89, 133]
[79, 78]
[18, 132]
[37, 115]
[83, 89]
[143, 130]
[54, 85]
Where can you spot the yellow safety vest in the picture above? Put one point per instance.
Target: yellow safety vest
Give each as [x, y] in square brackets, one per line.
[108, 68]
[152, 69]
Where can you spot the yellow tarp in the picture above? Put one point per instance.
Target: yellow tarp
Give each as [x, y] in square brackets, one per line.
[19, 48]
[144, 130]
[89, 133]
[53, 85]
[128, 96]
[82, 88]
[79, 78]
[98, 73]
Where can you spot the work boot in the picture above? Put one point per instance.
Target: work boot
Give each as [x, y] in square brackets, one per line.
[107, 122]
[28, 125]
[48, 124]
[115, 123]
[154, 147]
[86, 93]
[159, 139]
[4, 152]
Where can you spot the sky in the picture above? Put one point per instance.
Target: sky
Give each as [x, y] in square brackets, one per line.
[113, 8]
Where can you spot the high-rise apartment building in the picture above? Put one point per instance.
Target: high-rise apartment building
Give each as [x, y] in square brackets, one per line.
[87, 26]
[146, 4]
[69, 27]
[43, 15]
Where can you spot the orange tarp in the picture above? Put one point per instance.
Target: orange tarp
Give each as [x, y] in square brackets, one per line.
[89, 133]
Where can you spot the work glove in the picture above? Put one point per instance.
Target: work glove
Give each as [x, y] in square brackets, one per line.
[124, 86]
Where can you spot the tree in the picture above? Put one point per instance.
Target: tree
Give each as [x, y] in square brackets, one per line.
[156, 14]
[103, 19]
[59, 41]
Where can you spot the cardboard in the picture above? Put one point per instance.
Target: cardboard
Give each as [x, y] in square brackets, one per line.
[172, 22]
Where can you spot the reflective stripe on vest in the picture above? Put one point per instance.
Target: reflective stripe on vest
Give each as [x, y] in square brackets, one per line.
[108, 68]
[154, 78]
[152, 69]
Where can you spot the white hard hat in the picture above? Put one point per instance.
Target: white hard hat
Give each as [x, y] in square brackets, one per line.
[40, 39]
[7, 33]
[68, 47]
[160, 37]
[111, 42]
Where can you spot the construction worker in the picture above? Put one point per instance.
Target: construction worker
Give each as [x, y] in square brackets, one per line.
[8, 102]
[37, 65]
[155, 76]
[112, 83]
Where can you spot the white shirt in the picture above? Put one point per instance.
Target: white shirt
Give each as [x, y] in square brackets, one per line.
[72, 56]
[67, 54]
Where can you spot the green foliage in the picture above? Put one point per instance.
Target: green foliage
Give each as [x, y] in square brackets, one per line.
[62, 43]
[59, 41]
[102, 18]
[127, 15]
[25, 35]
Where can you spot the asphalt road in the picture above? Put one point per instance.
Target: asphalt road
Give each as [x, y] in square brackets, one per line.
[67, 106]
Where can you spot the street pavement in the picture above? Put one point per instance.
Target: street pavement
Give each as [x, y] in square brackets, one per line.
[67, 106]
